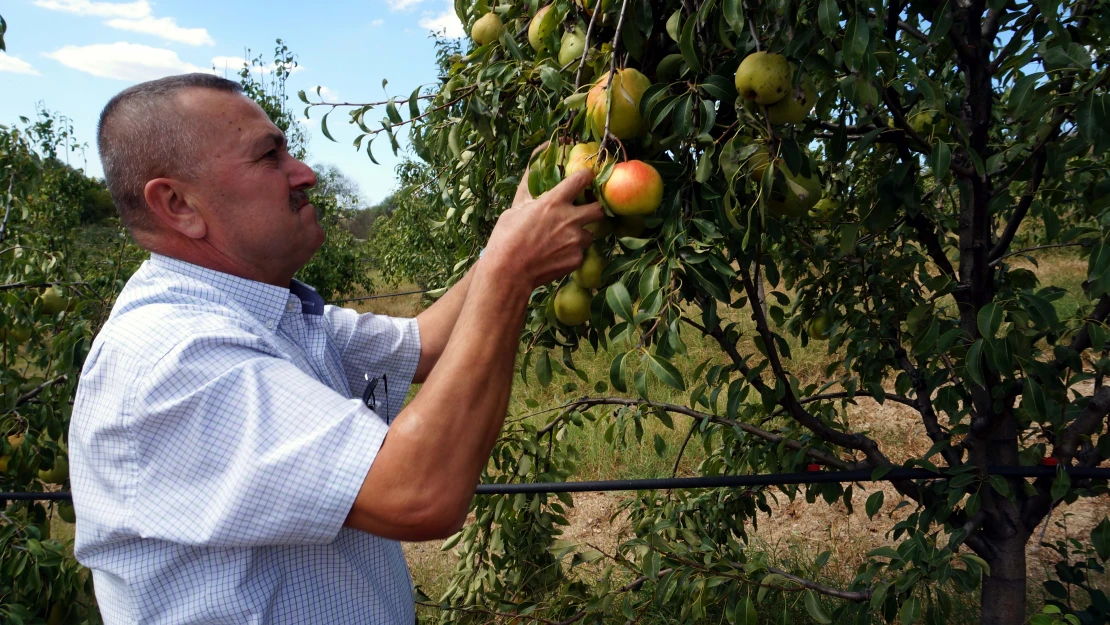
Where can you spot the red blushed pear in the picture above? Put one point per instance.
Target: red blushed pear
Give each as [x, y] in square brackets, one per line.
[633, 188]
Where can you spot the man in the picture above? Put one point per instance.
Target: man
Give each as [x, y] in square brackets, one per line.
[224, 466]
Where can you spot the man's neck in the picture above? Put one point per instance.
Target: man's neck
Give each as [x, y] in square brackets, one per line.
[202, 253]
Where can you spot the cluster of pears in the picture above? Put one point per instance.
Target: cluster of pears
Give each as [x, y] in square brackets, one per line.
[767, 79]
[633, 190]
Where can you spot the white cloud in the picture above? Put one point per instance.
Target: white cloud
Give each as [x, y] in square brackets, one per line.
[447, 23]
[16, 65]
[377, 22]
[401, 5]
[124, 61]
[126, 10]
[166, 28]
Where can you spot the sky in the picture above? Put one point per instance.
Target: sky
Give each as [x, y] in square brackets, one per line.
[72, 56]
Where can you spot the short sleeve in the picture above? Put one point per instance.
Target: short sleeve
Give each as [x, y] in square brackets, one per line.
[237, 448]
[372, 345]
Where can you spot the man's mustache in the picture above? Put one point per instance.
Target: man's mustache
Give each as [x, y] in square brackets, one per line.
[297, 199]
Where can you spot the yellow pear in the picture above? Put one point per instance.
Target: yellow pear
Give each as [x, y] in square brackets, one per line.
[764, 77]
[588, 274]
[487, 29]
[542, 25]
[757, 163]
[796, 106]
[571, 46]
[572, 304]
[628, 87]
[825, 208]
[583, 156]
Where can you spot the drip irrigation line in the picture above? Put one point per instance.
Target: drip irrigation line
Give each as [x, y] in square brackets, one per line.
[717, 481]
[360, 299]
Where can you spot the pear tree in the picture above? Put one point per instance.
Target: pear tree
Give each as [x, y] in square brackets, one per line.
[873, 178]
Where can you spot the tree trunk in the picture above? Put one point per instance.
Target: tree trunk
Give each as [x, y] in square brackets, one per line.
[1003, 600]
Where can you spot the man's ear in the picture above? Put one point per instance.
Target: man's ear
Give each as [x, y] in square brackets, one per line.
[171, 206]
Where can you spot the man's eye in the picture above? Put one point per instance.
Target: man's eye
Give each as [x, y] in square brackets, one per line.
[272, 154]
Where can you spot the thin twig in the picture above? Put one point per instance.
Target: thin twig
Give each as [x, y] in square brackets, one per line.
[612, 71]
[7, 207]
[994, 263]
[586, 49]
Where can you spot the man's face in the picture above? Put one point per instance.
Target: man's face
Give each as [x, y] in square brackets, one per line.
[249, 189]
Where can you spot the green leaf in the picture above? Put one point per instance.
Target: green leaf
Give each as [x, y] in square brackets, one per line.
[686, 44]
[940, 159]
[828, 16]
[551, 78]
[543, 369]
[974, 364]
[1061, 485]
[999, 484]
[660, 446]
[815, 609]
[616, 373]
[910, 612]
[874, 504]
[1100, 538]
[856, 36]
[734, 15]
[324, 126]
[665, 371]
[414, 103]
[619, 301]
[989, 320]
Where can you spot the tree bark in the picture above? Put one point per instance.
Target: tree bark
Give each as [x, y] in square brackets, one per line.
[1003, 599]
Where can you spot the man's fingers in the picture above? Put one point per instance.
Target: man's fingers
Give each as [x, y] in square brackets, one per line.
[588, 213]
[572, 186]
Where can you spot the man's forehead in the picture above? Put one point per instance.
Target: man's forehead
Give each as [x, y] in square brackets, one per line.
[228, 118]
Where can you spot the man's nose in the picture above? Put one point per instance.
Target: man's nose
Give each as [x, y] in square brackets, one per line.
[301, 176]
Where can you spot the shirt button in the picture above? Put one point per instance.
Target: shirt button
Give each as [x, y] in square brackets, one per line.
[270, 325]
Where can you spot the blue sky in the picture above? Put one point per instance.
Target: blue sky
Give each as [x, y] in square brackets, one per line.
[73, 55]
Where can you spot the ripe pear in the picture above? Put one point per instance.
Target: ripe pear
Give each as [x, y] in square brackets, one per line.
[487, 29]
[58, 474]
[583, 156]
[588, 274]
[796, 106]
[633, 188]
[764, 77]
[630, 226]
[572, 304]
[757, 163]
[18, 334]
[923, 122]
[571, 45]
[4, 460]
[53, 300]
[625, 122]
[818, 327]
[542, 25]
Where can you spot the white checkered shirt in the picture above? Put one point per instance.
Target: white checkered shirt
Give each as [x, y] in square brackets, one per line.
[217, 444]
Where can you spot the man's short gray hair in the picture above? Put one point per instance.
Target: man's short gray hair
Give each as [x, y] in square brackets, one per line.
[143, 134]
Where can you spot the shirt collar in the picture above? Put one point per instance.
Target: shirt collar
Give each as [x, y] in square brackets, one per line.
[264, 301]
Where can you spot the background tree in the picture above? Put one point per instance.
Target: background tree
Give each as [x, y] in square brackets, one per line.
[946, 140]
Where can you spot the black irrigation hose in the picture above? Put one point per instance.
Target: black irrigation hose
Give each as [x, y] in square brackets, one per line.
[360, 299]
[718, 481]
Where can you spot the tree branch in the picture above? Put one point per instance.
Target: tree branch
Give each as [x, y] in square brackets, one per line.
[923, 398]
[857, 596]
[817, 455]
[1022, 208]
[995, 263]
[585, 50]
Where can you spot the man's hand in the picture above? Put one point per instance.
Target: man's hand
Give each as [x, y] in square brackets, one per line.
[541, 239]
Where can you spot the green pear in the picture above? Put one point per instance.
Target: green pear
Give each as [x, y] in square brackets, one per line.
[572, 304]
[65, 512]
[571, 46]
[818, 327]
[764, 77]
[542, 25]
[58, 474]
[487, 29]
[588, 274]
[53, 300]
[802, 194]
[601, 228]
[795, 107]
